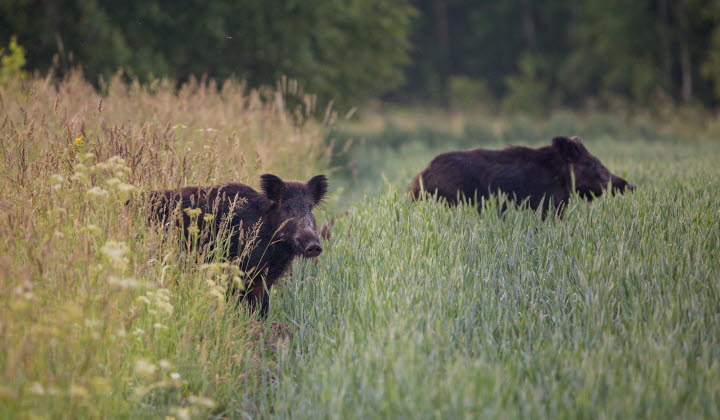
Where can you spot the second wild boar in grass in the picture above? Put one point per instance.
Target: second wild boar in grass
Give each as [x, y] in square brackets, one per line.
[267, 229]
[540, 176]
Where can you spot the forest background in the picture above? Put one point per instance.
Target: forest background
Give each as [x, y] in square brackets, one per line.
[510, 55]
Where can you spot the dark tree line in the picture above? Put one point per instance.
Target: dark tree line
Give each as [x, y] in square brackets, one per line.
[562, 52]
[348, 50]
[526, 54]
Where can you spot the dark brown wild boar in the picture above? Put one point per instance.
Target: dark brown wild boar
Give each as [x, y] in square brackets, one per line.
[278, 222]
[537, 175]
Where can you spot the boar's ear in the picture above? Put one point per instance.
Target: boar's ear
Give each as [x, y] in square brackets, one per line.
[272, 186]
[318, 187]
[570, 149]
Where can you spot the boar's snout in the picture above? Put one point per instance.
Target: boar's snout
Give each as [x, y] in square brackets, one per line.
[312, 250]
[619, 185]
[308, 244]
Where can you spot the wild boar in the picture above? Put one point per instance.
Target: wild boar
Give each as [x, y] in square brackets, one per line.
[268, 228]
[541, 175]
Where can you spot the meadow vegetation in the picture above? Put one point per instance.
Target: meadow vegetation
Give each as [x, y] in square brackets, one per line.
[414, 310]
[423, 311]
[100, 315]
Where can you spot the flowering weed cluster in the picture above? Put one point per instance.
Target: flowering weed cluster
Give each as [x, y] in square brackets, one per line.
[101, 313]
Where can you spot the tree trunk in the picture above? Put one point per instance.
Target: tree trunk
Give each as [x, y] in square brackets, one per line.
[528, 24]
[443, 36]
[686, 76]
[665, 46]
[686, 87]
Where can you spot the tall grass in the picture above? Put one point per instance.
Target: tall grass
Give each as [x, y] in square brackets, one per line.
[100, 315]
[414, 310]
[396, 146]
[418, 310]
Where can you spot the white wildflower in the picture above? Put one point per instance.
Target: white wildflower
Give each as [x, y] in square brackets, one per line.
[80, 177]
[126, 188]
[166, 306]
[57, 181]
[124, 283]
[97, 192]
[77, 391]
[201, 401]
[116, 252]
[162, 300]
[37, 388]
[113, 182]
[144, 368]
[182, 413]
[79, 167]
[93, 229]
[92, 323]
[117, 161]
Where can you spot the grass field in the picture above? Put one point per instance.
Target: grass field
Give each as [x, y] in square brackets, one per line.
[412, 311]
[420, 311]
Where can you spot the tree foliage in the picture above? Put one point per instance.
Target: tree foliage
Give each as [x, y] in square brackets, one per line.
[340, 49]
[527, 55]
[12, 62]
[535, 54]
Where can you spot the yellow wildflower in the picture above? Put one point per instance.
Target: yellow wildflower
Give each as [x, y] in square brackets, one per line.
[79, 141]
[192, 213]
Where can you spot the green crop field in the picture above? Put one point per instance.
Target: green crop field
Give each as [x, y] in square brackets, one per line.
[414, 310]
[420, 311]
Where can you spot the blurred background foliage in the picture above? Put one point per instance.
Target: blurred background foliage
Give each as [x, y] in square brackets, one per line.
[338, 48]
[512, 55]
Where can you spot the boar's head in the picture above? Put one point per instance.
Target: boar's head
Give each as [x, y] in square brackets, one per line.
[591, 176]
[292, 203]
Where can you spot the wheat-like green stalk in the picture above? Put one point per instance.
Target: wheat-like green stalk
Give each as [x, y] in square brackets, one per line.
[414, 310]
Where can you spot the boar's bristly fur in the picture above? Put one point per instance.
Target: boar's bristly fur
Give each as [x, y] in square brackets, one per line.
[541, 176]
[268, 229]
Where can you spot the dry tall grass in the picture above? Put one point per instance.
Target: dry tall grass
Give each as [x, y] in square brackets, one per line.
[99, 313]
